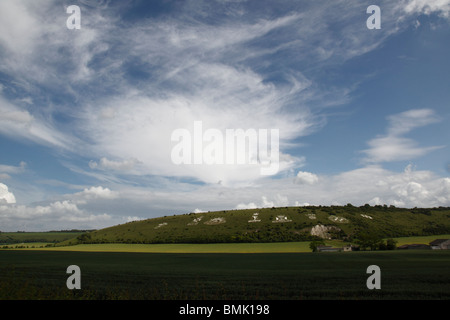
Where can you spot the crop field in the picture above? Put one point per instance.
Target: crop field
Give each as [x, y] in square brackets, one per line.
[38, 274]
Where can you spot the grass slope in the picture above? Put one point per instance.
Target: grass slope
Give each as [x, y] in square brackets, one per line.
[234, 226]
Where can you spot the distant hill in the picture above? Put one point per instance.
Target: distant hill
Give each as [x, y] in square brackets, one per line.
[276, 225]
[48, 237]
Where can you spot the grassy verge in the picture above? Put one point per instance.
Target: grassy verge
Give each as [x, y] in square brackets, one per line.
[186, 248]
[275, 247]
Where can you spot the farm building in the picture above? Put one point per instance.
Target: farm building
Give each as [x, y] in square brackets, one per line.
[414, 247]
[328, 249]
[323, 248]
[440, 244]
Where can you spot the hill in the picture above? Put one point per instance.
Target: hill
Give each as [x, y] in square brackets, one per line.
[276, 225]
[32, 237]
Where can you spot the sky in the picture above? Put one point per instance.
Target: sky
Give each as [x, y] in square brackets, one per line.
[90, 117]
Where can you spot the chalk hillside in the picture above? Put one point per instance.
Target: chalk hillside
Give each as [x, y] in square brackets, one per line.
[281, 224]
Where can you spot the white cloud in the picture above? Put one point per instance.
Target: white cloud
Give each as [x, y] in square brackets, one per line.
[57, 215]
[243, 206]
[18, 123]
[131, 219]
[408, 120]
[105, 164]
[97, 207]
[278, 201]
[97, 193]
[441, 7]
[196, 71]
[142, 126]
[13, 169]
[372, 184]
[18, 33]
[6, 195]
[393, 146]
[306, 178]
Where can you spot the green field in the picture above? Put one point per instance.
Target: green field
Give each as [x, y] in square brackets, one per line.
[420, 240]
[37, 274]
[182, 248]
[275, 247]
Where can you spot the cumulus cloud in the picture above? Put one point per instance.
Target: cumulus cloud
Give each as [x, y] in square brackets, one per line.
[373, 185]
[56, 215]
[60, 214]
[103, 207]
[278, 201]
[97, 193]
[306, 178]
[131, 219]
[87, 209]
[242, 206]
[6, 195]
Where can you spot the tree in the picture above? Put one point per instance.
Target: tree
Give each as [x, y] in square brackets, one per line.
[314, 244]
[391, 244]
[369, 240]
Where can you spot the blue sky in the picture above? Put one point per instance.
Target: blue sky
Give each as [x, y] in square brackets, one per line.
[86, 116]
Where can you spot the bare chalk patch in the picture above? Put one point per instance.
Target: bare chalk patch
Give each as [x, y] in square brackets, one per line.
[216, 221]
[161, 225]
[338, 219]
[195, 221]
[280, 219]
[255, 218]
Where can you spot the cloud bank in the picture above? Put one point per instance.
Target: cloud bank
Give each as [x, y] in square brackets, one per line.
[99, 207]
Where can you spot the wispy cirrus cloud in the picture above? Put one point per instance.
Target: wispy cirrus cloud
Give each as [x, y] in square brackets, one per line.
[140, 81]
[394, 146]
[13, 169]
[18, 123]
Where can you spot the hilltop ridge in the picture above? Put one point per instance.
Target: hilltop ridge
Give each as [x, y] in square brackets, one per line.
[281, 224]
